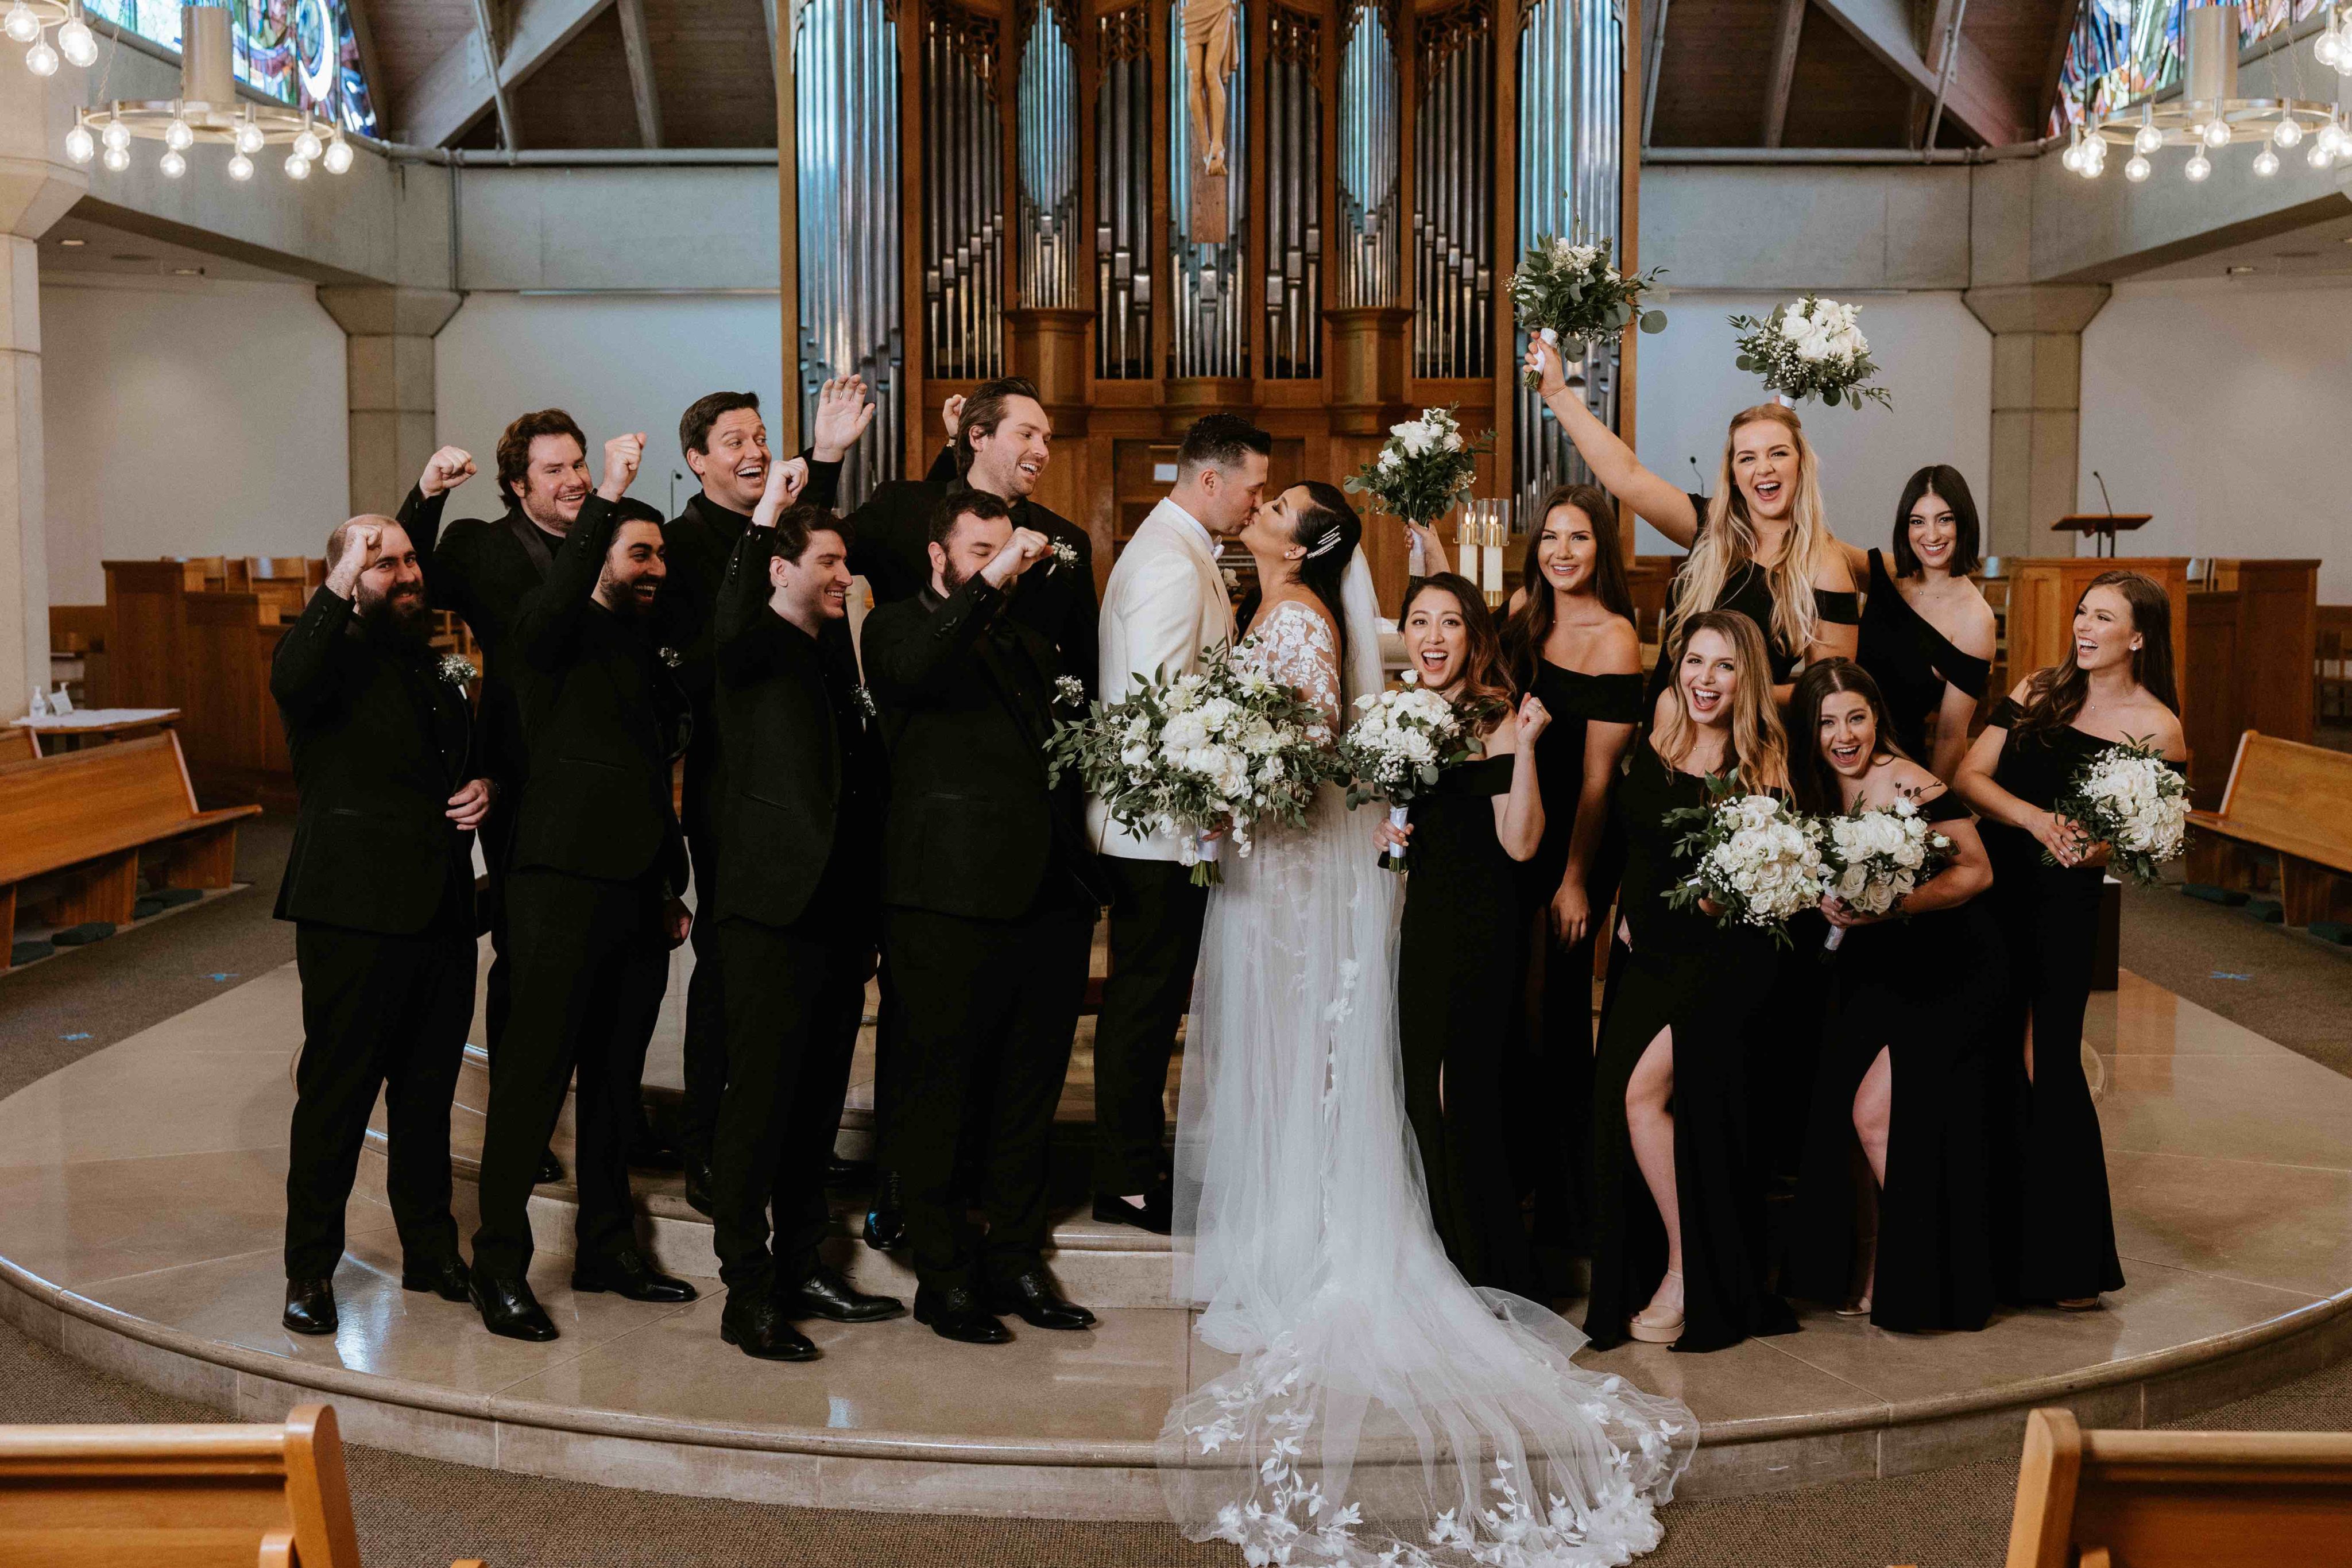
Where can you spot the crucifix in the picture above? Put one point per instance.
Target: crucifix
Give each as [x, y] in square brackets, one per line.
[1210, 46]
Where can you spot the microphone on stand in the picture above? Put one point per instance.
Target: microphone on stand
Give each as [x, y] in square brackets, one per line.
[1697, 475]
[2102, 493]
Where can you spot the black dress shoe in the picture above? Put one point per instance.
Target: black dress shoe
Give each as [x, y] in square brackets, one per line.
[1155, 1216]
[885, 1222]
[649, 1153]
[549, 1168]
[826, 1294]
[757, 1326]
[627, 1273]
[1031, 1296]
[956, 1314]
[447, 1278]
[697, 1186]
[509, 1310]
[310, 1306]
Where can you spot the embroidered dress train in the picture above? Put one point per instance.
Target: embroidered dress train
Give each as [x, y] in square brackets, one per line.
[1370, 1406]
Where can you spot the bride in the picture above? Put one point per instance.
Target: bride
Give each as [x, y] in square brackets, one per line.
[1370, 1406]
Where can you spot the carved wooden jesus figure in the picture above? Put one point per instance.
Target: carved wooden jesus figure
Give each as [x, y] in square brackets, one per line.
[1209, 50]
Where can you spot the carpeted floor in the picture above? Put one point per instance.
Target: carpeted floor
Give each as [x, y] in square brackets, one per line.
[414, 1511]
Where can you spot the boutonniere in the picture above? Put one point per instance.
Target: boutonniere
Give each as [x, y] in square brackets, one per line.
[455, 669]
[1070, 690]
[669, 656]
[864, 698]
[1064, 554]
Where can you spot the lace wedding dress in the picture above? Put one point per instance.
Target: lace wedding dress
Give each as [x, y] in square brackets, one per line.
[1353, 1399]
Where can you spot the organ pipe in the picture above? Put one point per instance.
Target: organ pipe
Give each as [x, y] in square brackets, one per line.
[1210, 333]
[963, 195]
[1123, 265]
[1365, 270]
[1454, 167]
[1294, 183]
[1049, 141]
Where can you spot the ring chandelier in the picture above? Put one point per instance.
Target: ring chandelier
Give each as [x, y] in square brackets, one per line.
[26, 20]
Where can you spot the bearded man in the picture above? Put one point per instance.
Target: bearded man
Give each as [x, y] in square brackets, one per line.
[380, 887]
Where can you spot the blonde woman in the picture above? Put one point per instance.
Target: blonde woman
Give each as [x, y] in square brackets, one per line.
[1678, 1217]
[1760, 546]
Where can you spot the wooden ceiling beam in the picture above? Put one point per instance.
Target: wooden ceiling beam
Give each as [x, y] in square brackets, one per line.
[2068, 11]
[457, 89]
[1997, 112]
[1786, 29]
[639, 49]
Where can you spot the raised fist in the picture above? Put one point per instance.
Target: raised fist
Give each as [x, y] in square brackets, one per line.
[621, 455]
[785, 482]
[952, 415]
[1024, 549]
[446, 470]
[1544, 363]
[360, 544]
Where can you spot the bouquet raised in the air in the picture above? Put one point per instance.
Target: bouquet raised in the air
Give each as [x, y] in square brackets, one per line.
[1811, 349]
[1759, 861]
[1402, 741]
[1875, 856]
[1207, 754]
[1572, 294]
[1423, 467]
[2127, 798]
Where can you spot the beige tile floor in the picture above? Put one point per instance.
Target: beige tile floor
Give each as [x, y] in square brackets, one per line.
[147, 1181]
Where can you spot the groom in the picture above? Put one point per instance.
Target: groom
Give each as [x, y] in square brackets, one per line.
[1165, 602]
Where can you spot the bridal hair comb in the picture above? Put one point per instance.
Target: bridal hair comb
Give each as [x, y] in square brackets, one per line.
[1327, 543]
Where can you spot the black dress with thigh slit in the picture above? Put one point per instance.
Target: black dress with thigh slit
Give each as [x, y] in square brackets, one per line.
[1928, 990]
[1911, 661]
[1705, 982]
[1459, 975]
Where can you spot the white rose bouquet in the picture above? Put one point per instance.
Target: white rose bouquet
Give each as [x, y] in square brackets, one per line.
[1209, 753]
[1810, 348]
[1758, 860]
[1402, 740]
[2127, 798]
[1571, 294]
[1874, 857]
[1423, 467]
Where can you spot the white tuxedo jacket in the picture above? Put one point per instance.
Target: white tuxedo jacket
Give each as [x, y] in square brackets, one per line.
[1166, 601]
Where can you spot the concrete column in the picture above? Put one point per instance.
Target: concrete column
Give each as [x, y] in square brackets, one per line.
[390, 370]
[2037, 397]
[36, 188]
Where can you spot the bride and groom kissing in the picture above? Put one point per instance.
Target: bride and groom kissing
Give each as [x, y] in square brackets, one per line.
[1368, 1405]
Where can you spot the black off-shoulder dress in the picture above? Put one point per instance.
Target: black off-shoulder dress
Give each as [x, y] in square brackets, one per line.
[1705, 982]
[1911, 661]
[1750, 591]
[1929, 990]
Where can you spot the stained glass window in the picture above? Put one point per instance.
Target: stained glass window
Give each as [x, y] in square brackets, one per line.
[301, 52]
[2125, 50]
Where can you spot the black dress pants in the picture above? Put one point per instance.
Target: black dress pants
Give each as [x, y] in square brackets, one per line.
[993, 1000]
[377, 1013]
[792, 1012]
[706, 1000]
[1156, 915]
[591, 964]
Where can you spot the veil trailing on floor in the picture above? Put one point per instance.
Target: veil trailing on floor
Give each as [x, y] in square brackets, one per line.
[1352, 1400]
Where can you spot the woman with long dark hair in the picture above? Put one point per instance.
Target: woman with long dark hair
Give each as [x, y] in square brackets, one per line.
[1926, 631]
[1678, 1214]
[1302, 539]
[1462, 936]
[1570, 640]
[2055, 1237]
[1916, 995]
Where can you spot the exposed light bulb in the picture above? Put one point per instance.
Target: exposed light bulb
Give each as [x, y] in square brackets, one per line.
[2289, 132]
[2324, 51]
[240, 167]
[2196, 168]
[2146, 140]
[249, 138]
[117, 159]
[2266, 163]
[338, 156]
[21, 23]
[2217, 132]
[80, 145]
[298, 167]
[2139, 169]
[173, 165]
[41, 59]
[306, 145]
[2071, 159]
[116, 136]
[178, 136]
[2320, 156]
[78, 44]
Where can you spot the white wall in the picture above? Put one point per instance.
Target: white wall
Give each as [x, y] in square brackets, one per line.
[2224, 407]
[204, 420]
[1933, 355]
[617, 361]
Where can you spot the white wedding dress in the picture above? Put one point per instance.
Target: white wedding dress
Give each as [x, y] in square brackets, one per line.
[1370, 1406]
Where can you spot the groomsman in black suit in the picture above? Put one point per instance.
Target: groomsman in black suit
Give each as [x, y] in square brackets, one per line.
[592, 885]
[380, 886]
[798, 916]
[725, 442]
[990, 897]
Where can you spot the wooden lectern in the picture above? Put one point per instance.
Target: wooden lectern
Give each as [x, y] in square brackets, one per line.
[2042, 594]
[2105, 526]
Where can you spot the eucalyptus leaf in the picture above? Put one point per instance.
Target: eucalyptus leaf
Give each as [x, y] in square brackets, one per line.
[1654, 321]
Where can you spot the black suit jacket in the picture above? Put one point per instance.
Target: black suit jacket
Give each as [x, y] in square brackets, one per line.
[974, 828]
[786, 768]
[380, 743]
[889, 547]
[482, 570]
[601, 712]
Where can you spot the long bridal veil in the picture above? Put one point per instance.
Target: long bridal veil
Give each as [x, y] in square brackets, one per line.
[1352, 1400]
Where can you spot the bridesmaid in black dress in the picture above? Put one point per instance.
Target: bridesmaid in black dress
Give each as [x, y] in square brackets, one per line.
[1916, 995]
[1460, 944]
[1678, 1212]
[1926, 631]
[1570, 642]
[2054, 1236]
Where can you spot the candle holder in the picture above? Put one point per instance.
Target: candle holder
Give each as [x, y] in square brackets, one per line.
[1485, 537]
